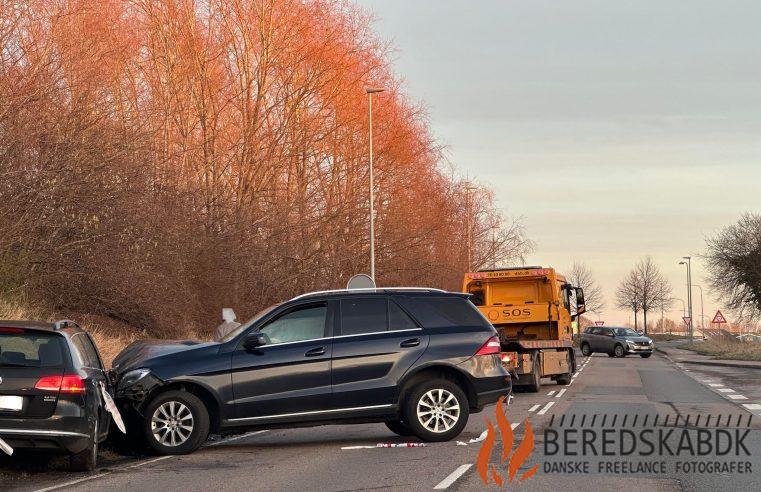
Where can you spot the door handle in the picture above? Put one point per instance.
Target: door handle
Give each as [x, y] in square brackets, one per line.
[315, 352]
[412, 342]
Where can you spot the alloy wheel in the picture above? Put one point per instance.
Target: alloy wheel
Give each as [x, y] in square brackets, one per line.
[172, 423]
[438, 410]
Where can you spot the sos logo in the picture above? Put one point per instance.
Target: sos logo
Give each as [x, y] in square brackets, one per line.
[495, 314]
[516, 313]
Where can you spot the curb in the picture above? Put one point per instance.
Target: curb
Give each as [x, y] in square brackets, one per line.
[711, 362]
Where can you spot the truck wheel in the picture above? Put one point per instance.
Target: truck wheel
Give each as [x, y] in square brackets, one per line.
[565, 379]
[436, 410]
[536, 381]
[398, 427]
[586, 350]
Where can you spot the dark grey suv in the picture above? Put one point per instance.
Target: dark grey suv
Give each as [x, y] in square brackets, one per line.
[420, 360]
[616, 342]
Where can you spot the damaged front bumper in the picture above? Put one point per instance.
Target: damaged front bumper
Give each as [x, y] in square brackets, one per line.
[132, 395]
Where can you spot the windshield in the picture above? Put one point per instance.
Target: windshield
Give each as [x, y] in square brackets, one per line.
[248, 323]
[625, 332]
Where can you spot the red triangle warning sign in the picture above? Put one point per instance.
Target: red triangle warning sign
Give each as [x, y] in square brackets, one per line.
[719, 318]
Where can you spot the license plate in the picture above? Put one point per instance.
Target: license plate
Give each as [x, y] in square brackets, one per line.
[12, 403]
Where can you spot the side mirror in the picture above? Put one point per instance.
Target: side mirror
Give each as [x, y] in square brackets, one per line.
[254, 340]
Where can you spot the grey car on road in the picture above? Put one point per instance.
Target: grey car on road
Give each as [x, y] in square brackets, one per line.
[616, 342]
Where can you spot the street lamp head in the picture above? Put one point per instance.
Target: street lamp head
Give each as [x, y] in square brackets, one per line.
[686, 257]
[373, 90]
[682, 262]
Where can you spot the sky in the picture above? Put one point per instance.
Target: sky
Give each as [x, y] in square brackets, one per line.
[615, 129]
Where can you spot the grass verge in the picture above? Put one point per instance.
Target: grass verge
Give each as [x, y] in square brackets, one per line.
[727, 350]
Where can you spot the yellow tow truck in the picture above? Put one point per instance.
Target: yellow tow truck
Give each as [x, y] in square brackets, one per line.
[531, 309]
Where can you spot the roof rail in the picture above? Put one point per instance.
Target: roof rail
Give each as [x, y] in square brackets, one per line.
[65, 323]
[377, 289]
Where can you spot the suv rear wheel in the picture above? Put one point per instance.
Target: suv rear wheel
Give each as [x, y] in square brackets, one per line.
[176, 422]
[436, 410]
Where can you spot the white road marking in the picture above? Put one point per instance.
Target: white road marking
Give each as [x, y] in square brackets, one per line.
[546, 407]
[551, 393]
[514, 425]
[737, 397]
[726, 390]
[73, 482]
[452, 478]
[533, 409]
[560, 393]
[715, 385]
[752, 406]
[139, 464]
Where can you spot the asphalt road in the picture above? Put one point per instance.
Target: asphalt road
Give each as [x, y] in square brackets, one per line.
[338, 458]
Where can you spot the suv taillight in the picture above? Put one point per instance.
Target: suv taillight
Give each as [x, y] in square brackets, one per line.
[64, 384]
[491, 347]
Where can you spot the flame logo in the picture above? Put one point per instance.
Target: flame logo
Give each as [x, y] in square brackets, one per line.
[514, 462]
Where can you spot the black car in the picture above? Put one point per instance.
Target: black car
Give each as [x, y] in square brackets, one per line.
[420, 360]
[51, 390]
[616, 342]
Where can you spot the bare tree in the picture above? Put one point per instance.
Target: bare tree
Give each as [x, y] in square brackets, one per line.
[644, 288]
[581, 276]
[628, 295]
[734, 266]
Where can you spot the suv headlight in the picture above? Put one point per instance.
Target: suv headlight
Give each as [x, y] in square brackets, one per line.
[133, 377]
[630, 341]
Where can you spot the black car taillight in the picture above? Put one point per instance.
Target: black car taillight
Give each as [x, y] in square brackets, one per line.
[491, 347]
[70, 383]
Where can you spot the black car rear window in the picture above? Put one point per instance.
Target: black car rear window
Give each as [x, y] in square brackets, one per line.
[438, 312]
[29, 348]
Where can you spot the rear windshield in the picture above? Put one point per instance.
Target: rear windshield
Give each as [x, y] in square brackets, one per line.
[25, 348]
[438, 312]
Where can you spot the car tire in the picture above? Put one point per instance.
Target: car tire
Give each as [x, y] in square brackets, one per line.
[645, 356]
[564, 379]
[535, 383]
[87, 460]
[176, 422]
[398, 427]
[618, 351]
[441, 395]
[586, 350]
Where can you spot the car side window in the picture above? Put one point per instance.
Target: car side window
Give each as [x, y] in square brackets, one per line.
[306, 323]
[92, 352]
[398, 319]
[79, 350]
[364, 315]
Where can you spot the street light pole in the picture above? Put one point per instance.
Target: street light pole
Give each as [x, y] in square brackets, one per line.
[370, 92]
[689, 289]
[468, 224]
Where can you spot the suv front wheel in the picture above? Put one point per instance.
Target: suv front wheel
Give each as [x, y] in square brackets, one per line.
[436, 410]
[176, 422]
